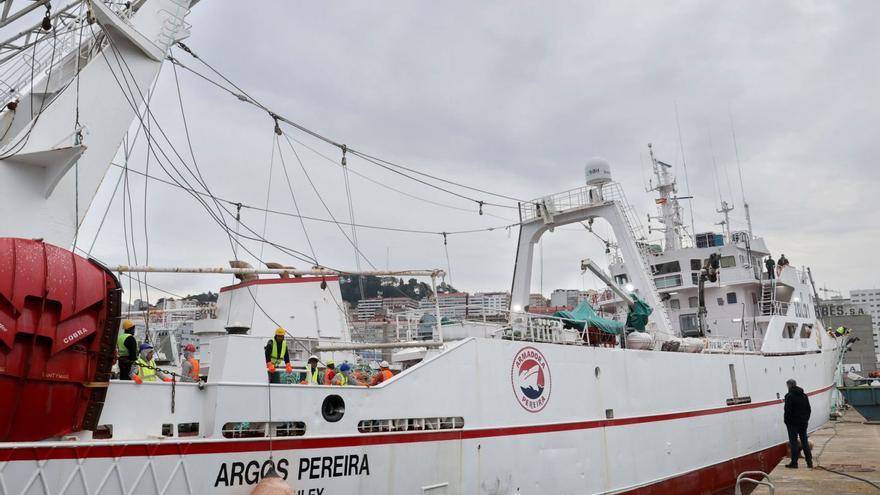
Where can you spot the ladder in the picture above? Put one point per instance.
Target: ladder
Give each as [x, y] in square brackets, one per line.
[767, 303]
[636, 232]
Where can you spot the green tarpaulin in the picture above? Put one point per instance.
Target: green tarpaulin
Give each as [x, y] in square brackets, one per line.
[583, 313]
[638, 314]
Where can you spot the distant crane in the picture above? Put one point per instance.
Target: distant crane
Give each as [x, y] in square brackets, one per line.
[825, 291]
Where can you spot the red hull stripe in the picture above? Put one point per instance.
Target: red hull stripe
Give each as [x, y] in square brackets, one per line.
[717, 477]
[170, 447]
[272, 281]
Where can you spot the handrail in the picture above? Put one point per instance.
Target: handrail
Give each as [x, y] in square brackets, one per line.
[765, 481]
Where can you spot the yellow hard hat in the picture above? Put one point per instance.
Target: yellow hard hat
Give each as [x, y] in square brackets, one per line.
[330, 362]
[127, 325]
[280, 331]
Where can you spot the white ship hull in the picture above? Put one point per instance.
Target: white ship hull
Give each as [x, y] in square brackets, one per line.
[649, 421]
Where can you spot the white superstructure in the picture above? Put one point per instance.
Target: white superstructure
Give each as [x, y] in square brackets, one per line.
[525, 405]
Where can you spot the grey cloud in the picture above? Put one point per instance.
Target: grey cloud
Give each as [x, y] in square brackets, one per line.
[515, 97]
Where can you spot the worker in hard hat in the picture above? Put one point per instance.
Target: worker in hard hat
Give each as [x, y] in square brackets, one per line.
[126, 349]
[312, 375]
[276, 355]
[330, 372]
[189, 367]
[383, 375]
[144, 369]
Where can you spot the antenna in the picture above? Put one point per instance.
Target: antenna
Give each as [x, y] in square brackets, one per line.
[715, 170]
[687, 183]
[739, 169]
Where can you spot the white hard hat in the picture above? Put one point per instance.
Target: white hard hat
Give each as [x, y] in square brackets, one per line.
[383, 364]
[313, 357]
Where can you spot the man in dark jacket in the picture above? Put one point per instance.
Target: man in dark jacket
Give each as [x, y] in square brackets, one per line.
[771, 265]
[797, 417]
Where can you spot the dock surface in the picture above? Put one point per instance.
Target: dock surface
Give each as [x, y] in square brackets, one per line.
[846, 445]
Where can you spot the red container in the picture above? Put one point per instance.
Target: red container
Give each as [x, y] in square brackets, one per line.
[59, 315]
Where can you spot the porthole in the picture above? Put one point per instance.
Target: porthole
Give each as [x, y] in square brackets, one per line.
[597, 372]
[333, 408]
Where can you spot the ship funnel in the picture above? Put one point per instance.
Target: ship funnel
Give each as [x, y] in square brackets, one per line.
[597, 172]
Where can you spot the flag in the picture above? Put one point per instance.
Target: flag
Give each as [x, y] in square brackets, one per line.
[660, 201]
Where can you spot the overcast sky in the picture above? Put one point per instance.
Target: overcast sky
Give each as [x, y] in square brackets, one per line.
[514, 97]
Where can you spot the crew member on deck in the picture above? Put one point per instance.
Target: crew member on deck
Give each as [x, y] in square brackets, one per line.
[144, 369]
[770, 264]
[276, 355]
[312, 377]
[126, 349]
[189, 367]
[330, 372]
[343, 376]
[383, 375]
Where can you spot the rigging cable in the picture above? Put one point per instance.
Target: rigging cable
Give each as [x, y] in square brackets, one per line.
[268, 195]
[357, 258]
[244, 97]
[325, 220]
[216, 216]
[448, 265]
[715, 171]
[77, 129]
[381, 184]
[327, 208]
[293, 197]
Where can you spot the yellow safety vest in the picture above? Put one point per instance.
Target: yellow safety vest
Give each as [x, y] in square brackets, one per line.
[278, 358]
[312, 377]
[120, 344]
[147, 371]
[343, 378]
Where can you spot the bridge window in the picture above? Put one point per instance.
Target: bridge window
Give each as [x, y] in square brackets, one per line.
[187, 429]
[696, 265]
[674, 304]
[806, 331]
[693, 302]
[789, 330]
[728, 261]
[621, 279]
[664, 268]
[667, 281]
[688, 324]
[410, 424]
[167, 430]
[731, 298]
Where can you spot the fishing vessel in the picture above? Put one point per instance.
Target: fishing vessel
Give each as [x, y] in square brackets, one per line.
[683, 399]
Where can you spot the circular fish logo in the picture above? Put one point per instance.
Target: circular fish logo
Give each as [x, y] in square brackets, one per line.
[530, 377]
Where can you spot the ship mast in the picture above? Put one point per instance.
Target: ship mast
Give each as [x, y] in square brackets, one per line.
[670, 209]
[725, 224]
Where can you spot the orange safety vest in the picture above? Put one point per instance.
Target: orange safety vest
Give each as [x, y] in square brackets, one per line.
[195, 368]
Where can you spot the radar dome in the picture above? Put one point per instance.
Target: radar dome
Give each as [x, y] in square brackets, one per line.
[597, 172]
